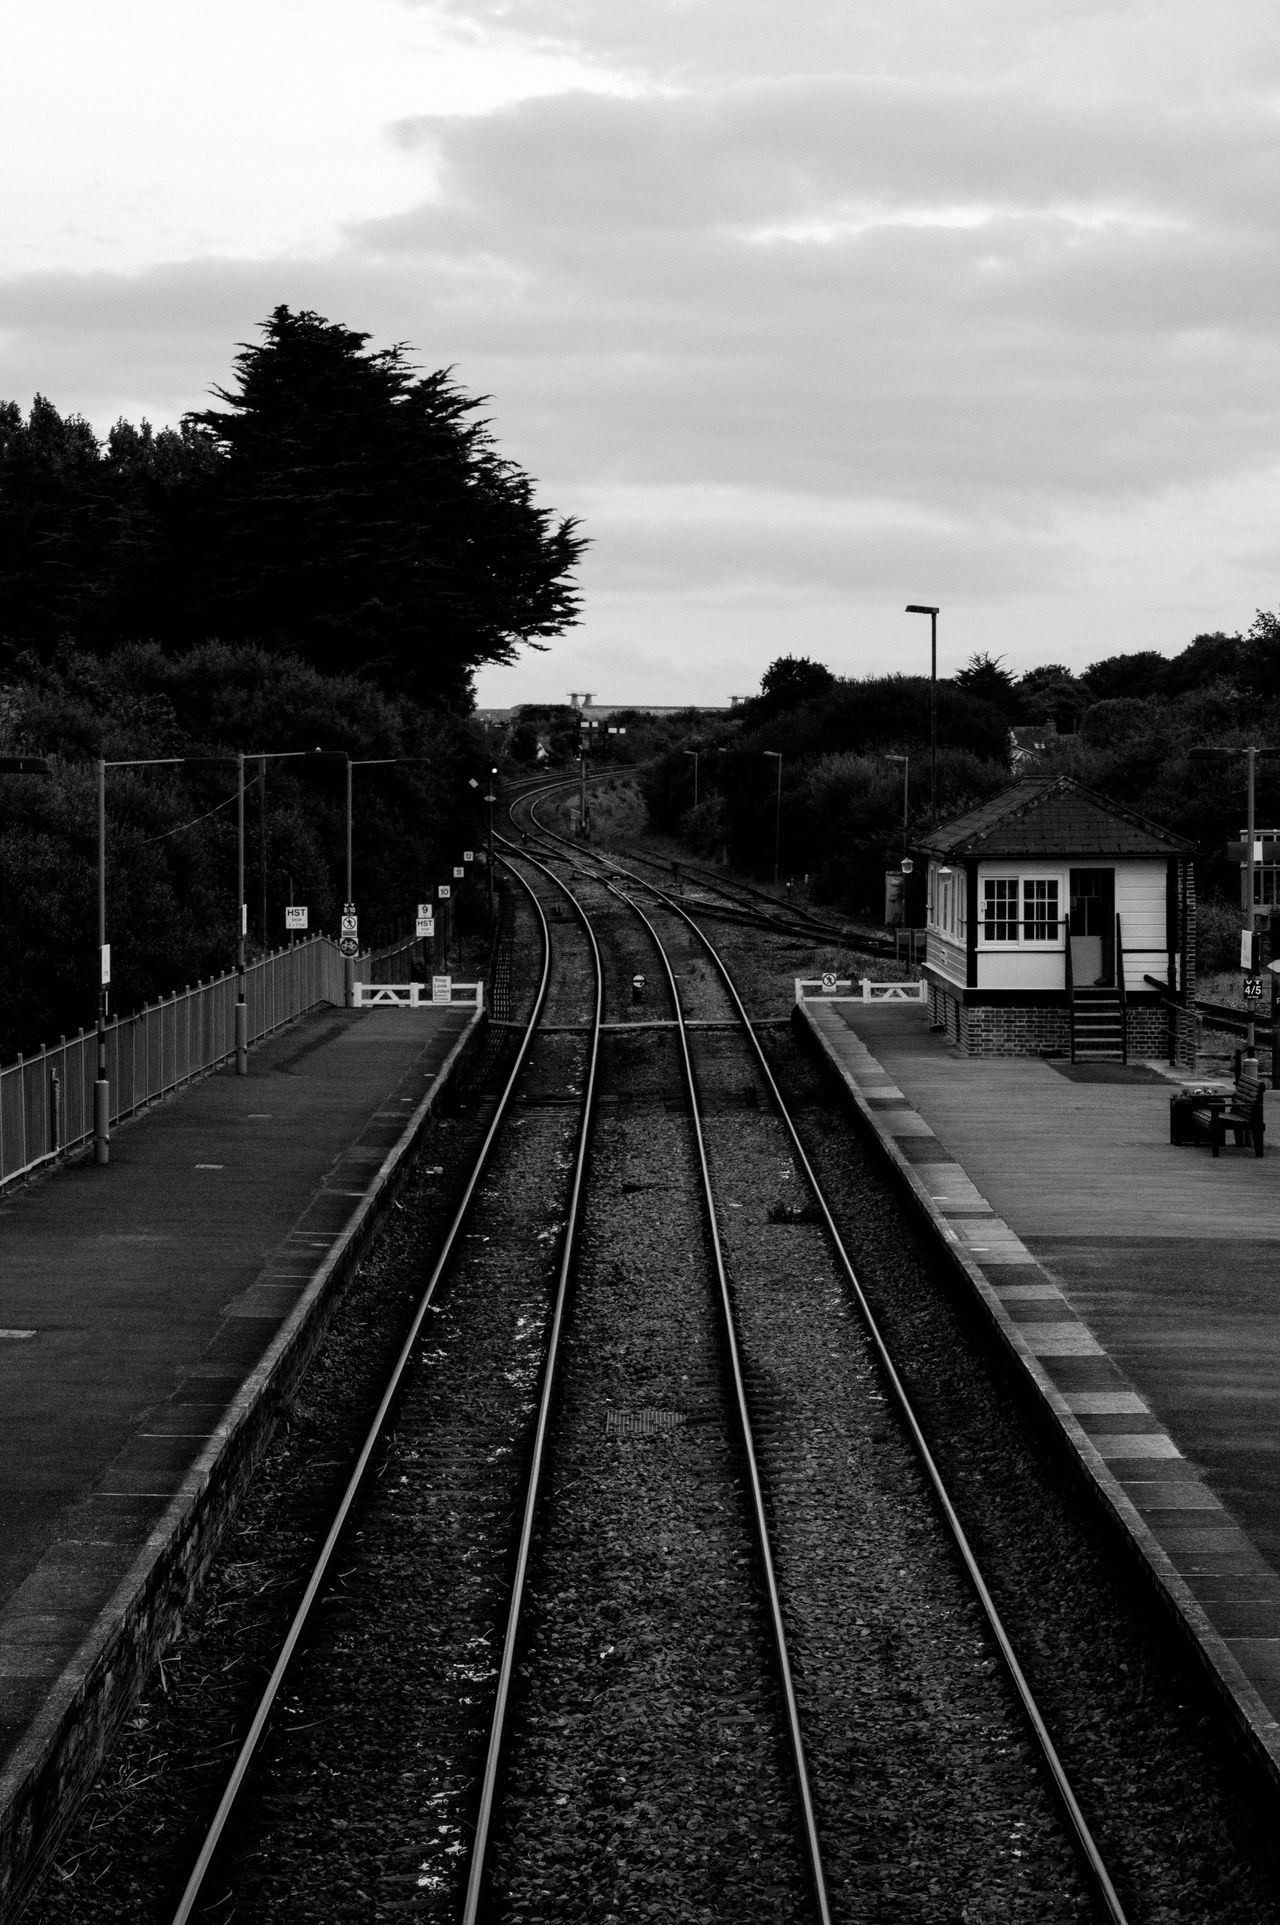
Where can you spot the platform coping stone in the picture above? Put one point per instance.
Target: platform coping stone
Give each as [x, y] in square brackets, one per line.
[1210, 1554]
[1153, 1443]
[1104, 1403]
[1060, 1340]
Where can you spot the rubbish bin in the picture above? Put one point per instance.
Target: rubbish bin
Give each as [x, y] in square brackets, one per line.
[1192, 1096]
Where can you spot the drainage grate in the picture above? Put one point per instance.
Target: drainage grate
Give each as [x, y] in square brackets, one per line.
[641, 1423]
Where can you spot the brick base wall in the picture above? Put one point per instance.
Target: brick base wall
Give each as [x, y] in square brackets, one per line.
[988, 1030]
[1146, 1033]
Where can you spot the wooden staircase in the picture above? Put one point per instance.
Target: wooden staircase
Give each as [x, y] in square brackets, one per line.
[1097, 1026]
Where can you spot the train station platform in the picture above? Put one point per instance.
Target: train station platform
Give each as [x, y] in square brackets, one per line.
[153, 1314]
[1137, 1285]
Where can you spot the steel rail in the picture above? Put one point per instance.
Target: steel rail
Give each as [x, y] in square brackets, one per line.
[271, 1690]
[1088, 1848]
[795, 924]
[1086, 1844]
[1077, 1823]
[790, 919]
[813, 1849]
[568, 1250]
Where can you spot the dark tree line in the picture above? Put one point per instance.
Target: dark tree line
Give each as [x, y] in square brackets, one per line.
[321, 560]
[172, 829]
[337, 506]
[1132, 727]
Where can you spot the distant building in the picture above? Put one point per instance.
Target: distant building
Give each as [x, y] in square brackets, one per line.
[1028, 744]
[602, 711]
[1049, 911]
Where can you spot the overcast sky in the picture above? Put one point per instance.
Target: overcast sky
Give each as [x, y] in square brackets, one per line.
[807, 310]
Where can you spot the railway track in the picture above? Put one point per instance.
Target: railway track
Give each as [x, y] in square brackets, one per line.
[681, 1431]
[638, 1604]
[726, 896]
[725, 1058]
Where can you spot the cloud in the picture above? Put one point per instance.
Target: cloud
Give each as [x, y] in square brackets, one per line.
[844, 280]
[797, 305]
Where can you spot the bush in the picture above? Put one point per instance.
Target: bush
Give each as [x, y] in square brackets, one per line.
[1218, 925]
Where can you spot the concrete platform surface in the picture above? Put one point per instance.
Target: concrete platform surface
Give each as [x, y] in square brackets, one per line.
[141, 1308]
[1138, 1285]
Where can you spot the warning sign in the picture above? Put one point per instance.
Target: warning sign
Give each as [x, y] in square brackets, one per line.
[295, 916]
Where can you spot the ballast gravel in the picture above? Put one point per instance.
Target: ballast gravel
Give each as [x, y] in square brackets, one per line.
[648, 1780]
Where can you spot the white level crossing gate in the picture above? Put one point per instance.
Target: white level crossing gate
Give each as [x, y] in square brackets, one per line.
[841, 989]
[441, 989]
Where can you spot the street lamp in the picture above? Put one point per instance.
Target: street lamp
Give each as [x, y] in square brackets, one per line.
[777, 812]
[906, 764]
[362, 762]
[260, 756]
[1247, 906]
[923, 608]
[102, 1087]
[491, 796]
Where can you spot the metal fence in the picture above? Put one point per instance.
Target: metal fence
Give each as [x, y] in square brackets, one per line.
[46, 1101]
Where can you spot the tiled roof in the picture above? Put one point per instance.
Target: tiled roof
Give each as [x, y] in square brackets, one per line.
[1051, 816]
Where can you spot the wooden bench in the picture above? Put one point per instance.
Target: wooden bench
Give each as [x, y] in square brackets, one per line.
[1241, 1112]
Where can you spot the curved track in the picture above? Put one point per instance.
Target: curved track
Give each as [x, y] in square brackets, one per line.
[752, 1454]
[586, 861]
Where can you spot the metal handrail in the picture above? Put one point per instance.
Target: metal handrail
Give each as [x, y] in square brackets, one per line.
[46, 1100]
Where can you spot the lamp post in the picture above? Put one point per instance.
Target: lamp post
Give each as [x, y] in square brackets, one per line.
[906, 764]
[102, 1085]
[491, 796]
[261, 757]
[695, 753]
[1247, 869]
[777, 813]
[923, 608]
[363, 762]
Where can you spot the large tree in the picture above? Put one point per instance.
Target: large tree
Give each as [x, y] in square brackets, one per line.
[361, 516]
[91, 536]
